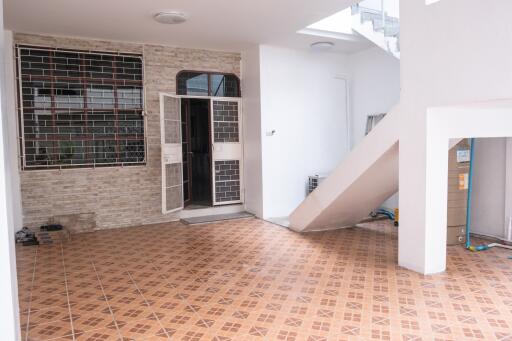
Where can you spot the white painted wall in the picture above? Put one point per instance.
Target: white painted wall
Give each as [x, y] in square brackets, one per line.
[252, 131]
[303, 99]
[508, 191]
[9, 311]
[445, 59]
[11, 122]
[374, 89]
[302, 96]
[488, 198]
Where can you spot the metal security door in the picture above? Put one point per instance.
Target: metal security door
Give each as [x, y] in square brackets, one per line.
[172, 164]
[226, 151]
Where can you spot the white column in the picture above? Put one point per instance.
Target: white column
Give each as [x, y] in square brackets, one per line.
[412, 158]
[423, 196]
[436, 201]
[11, 131]
[508, 190]
[9, 315]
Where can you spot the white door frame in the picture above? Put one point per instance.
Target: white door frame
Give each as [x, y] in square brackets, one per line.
[170, 152]
[239, 145]
[241, 137]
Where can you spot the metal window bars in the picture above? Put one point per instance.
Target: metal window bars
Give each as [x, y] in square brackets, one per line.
[80, 108]
[372, 121]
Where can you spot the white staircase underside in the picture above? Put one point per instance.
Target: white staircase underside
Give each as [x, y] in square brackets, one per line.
[359, 185]
[367, 177]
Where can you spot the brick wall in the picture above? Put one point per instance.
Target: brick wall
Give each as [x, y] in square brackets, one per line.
[119, 196]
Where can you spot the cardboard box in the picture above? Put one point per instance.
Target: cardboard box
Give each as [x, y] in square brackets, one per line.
[76, 223]
[53, 237]
[456, 235]
[456, 216]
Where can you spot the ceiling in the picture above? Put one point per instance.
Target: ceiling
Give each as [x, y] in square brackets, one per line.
[228, 25]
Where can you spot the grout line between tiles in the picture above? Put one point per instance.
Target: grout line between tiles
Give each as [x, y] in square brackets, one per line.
[106, 300]
[30, 296]
[372, 274]
[148, 305]
[67, 291]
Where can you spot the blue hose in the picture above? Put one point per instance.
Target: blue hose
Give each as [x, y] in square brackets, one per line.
[387, 213]
[470, 247]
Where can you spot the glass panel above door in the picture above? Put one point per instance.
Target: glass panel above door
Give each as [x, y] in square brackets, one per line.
[224, 85]
[193, 84]
[196, 83]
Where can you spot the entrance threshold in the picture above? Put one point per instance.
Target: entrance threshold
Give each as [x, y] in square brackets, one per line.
[216, 217]
[199, 212]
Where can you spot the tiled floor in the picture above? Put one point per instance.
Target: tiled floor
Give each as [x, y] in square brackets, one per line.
[251, 280]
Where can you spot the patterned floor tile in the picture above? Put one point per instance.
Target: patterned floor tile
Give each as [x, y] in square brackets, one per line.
[251, 280]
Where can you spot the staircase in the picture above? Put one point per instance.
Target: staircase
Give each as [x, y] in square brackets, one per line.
[360, 184]
[367, 177]
[370, 19]
[369, 174]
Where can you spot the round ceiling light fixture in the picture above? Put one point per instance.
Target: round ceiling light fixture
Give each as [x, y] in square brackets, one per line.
[170, 17]
[322, 46]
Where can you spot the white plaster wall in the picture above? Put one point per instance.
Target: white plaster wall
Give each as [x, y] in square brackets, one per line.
[374, 89]
[452, 52]
[252, 131]
[508, 190]
[9, 312]
[488, 198]
[11, 134]
[303, 99]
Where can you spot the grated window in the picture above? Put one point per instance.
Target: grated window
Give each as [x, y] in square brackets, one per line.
[79, 108]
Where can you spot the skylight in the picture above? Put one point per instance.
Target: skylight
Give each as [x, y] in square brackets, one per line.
[340, 22]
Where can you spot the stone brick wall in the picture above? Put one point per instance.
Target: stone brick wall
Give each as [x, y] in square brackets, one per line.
[118, 196]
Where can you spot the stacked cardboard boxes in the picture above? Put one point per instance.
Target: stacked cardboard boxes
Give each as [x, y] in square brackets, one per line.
[458, 173]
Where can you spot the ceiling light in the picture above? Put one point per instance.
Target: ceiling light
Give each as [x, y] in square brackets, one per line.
[170, 17]
[322, 46]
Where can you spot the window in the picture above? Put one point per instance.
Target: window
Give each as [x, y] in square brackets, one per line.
[195, 83]
[80, 108]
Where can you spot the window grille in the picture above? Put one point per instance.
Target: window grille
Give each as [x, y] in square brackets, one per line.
[371, 122]
[314, 181]
[79, 108]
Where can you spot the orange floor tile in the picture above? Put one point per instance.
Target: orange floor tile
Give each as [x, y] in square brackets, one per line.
[251, 280]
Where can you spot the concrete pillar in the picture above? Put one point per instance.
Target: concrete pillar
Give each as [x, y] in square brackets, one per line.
[508, 191]
[423, 176]
[9, 311]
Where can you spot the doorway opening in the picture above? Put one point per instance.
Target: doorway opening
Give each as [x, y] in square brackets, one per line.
[196, 142]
